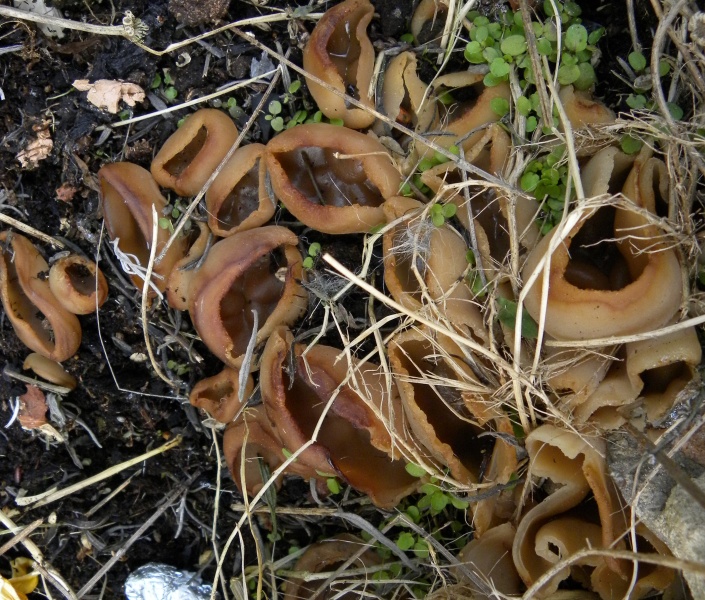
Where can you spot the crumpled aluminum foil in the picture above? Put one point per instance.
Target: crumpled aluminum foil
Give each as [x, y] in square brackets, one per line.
[155, 581]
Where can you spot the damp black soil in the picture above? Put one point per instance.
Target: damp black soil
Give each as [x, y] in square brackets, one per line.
[120, 408]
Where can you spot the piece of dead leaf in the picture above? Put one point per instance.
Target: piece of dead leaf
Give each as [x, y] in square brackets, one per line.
[36, 150]
[33, 408]
[65, 192]
[107, 94]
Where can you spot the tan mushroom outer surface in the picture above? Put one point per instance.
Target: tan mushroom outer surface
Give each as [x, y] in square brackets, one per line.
[36, 315]
[576, 465]
[326, 556]
[352, 443]
[340, 53]
[50, 370]
[178, 288]
[219, 395]
[238, 199]
[191, 154]
[255, 270]
[332, 179]
[128, 194]
[78, 284]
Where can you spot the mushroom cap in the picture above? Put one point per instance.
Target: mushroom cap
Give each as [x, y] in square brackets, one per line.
[37, 316]
[340, 53]
[349, 172]
[219, 395]
[191, 154]
[255, 270]
[78, 284]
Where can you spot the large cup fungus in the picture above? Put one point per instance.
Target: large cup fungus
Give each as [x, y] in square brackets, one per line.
[599, 287]
[188, 158]
[340, 53]
[331, 178]
[353, 442]
[249, 284]
[220, 395]
[129, 194]
[36, 315]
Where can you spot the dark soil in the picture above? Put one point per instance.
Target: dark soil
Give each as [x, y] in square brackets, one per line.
[119, 399]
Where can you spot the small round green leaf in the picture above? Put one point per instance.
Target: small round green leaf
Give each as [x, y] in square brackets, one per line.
[500, 106]
[544, 46]
[499, 68]
[576, 38]
[637, 60]
[567, 74]
[514, 45]
[275, 107]
[630, 145]
[405, 541]
[523, 105]
[414, 470]
[529, 181]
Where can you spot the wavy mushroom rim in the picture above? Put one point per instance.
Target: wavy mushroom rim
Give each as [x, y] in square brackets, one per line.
[37, 317]
[322, 46]
[228, 267]
[190, 155]
[354, 168]
[79, 284]
[352, 443]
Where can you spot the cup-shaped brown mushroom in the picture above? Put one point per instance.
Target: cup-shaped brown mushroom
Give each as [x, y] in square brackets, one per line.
[179, 282]
[404, 96]
[600, 287]
[463, 122]
[128, 193]
[420, 258]
[254, 271]
[191, 154]
[489, 557]
[238, 198]
[251, 443]
[332, 179]
[661, 368]
[582, 109]
[428, 20]
[434, 382]
[78, 284]
[325, 556]
[36, 315]
[340, 53]
[220, 395]
[353, 441]
[576, 466]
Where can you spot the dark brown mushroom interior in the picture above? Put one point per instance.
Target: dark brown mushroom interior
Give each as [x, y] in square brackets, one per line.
[327, 180]
[176, 165]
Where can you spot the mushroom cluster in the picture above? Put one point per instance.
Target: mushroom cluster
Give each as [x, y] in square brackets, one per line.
[436, 395]
[41, 302]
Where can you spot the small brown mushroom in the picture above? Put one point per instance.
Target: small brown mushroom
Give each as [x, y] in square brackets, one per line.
[78, 284]
[340, 53]
[326, 556]
[332, 179]
[238, 198]
[128, 194]
[188, 158]
[353, 441]
[220, 395]
[50, 370]
[254, 271]
[582, 109]
[36, 315]
[428, 21]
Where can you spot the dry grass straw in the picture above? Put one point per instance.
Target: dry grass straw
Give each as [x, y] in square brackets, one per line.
[517, 369]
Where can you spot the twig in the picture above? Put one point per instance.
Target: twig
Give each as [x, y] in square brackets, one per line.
[54, 495]
[28, 229]
[137, 535]
[18, 537]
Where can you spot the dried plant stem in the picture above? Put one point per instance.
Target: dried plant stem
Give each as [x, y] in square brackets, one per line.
[194, 203]
[24, 228]
[24, 15]
[39, 563]
[53, 495]
[170, 499]
[21, 535]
